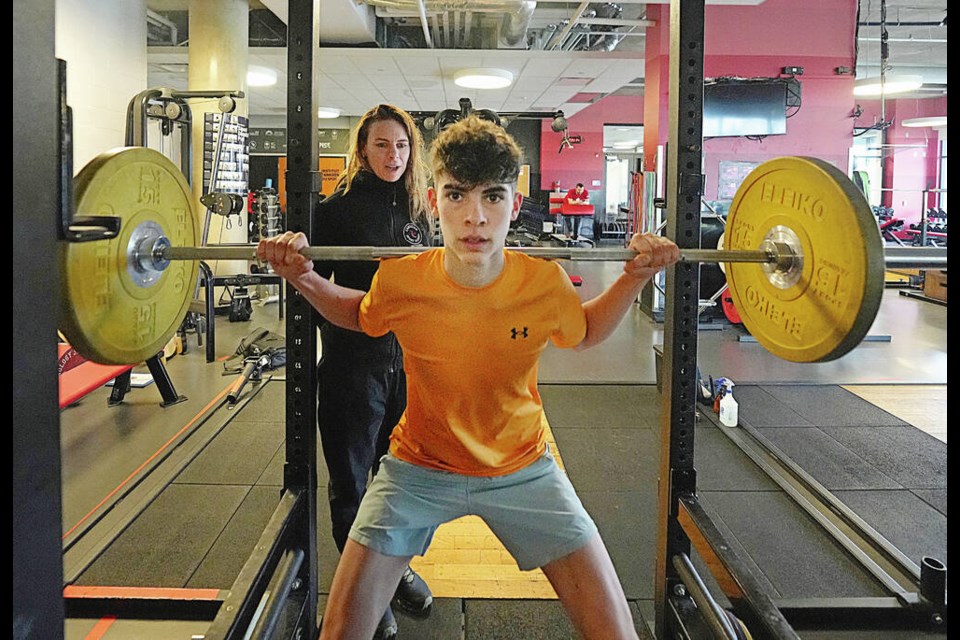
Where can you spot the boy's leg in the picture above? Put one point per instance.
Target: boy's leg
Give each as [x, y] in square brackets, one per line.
[363, 585]
[590, 591]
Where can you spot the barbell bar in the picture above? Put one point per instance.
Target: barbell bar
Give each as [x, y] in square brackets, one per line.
[163, 253]
[804, 258]
[894, 257]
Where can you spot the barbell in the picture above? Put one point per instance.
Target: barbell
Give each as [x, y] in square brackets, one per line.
[803, 254]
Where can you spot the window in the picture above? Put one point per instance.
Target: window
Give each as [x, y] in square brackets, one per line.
[866, 156]
[942, 177]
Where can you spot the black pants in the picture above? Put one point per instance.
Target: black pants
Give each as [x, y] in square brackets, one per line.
[356, 411]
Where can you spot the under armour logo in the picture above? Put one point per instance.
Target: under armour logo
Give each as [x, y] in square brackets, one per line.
[515, 332]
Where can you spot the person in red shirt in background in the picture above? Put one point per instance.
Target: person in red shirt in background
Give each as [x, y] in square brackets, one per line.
[577, 195]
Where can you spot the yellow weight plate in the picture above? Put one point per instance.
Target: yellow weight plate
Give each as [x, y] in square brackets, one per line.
[107, 314]
[829, 306]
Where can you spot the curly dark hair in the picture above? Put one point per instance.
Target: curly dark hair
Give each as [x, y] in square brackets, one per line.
[475, 151]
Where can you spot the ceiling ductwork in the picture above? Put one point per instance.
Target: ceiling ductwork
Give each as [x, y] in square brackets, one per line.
[516, 23]
[460, 23]
[604, 12]
[499, 24]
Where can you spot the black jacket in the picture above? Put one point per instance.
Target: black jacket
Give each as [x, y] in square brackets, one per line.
[373, 213]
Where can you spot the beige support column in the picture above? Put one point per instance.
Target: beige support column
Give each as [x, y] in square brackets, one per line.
[218, 52]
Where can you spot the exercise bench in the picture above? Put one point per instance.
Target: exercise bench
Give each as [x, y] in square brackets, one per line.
[79, 376]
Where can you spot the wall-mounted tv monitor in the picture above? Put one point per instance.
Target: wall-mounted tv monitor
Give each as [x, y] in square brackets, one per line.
[744, 108]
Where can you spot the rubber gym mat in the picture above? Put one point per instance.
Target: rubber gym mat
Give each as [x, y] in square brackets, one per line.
[168, 541]
[733, 543]
[608, 459]
[913, 458]
[222, 563]
[273, 474]
[722, 466]
[758, 408]
[624, 406]
[119, 628]
[527, 619]
[829, 462]
[269, 402]
[444, 622]
[912, 525]
[795, 554]
[829, 406]
[936, 498]
[627, 521]
[239, 454]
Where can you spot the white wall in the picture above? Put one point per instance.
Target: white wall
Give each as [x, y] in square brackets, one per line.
[104, 43]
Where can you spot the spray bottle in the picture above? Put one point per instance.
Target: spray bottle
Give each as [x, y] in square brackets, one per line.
[728, 406]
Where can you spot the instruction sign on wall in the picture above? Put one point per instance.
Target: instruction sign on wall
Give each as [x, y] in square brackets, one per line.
[273, 141]
[268, 141]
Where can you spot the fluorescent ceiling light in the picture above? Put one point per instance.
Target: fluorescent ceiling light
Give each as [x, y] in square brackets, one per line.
[892, 84]
[261, 76]
[483, 78]
[626, 144]
[328, 112]
[931, 121]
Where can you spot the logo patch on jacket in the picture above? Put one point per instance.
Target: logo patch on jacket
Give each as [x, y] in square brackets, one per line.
[413, 234]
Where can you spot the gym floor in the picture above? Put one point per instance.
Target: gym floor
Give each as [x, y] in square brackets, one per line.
[871, 427]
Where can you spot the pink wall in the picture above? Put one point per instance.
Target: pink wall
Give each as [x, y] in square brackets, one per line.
[656, 83]
[781, 28]
[756, 41]
[584, 162]
[813, 35]
[822, 127]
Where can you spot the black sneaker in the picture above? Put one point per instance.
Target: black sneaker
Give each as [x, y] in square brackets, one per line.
[387, 628]
[413, 595]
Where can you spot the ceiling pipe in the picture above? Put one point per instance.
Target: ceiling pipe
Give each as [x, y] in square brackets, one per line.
[607, 12]
[467, 23]
[516, 19]
[397, 8]
[515, 24]
[557, 42]
[618, 22]
[422, 10]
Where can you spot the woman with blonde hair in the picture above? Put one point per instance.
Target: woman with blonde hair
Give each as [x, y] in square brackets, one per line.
[380, 200]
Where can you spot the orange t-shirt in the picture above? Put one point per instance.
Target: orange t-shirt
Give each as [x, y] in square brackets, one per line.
[471, 356]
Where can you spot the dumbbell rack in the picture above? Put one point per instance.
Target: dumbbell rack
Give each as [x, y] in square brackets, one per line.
[267, 220]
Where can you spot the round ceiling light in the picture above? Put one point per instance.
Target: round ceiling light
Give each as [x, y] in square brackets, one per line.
[483, 78]
[261, 76]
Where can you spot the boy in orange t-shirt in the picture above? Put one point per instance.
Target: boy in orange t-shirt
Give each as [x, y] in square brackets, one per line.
[473, 318]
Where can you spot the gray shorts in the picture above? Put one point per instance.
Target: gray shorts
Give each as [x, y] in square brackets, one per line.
[534, 512]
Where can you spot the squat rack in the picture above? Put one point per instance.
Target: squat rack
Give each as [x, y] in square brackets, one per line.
[683, 605]
[284, 562]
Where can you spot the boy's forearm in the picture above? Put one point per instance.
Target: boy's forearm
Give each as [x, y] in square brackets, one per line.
[605, 312]
[339, 305]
